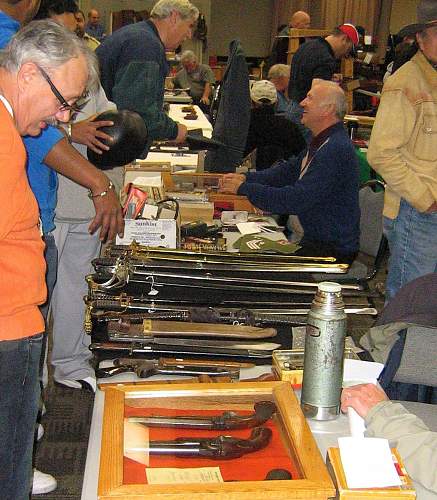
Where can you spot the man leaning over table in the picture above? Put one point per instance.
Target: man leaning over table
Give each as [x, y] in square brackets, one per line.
[27, 102]
[318, 188]
[133, 65]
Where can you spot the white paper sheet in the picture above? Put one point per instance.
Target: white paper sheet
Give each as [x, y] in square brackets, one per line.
[367, 463]
[248, 227]
[360, 372]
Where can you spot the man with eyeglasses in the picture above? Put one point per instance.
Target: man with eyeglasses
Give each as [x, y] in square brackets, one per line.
[52, 148]
[133, 66]
[27, 102]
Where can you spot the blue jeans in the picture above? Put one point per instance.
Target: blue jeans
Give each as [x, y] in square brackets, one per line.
[51, 258]
[19, 398]
[294, 113]
[412, 238]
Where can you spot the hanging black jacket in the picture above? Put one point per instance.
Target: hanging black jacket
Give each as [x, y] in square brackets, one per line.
[273, 136]
[233, 115]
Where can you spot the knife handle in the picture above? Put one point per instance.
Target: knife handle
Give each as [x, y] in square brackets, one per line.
[110, 371]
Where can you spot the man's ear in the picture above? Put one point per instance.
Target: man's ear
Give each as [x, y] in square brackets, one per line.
[26, 75]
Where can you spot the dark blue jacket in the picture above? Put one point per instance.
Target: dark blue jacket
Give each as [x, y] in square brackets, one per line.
[325, 199]
[313, 59]
[133, 68]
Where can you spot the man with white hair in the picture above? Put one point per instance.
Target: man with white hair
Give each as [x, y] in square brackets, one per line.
[279, 75]
[43, 72]
[133, 64]
[196, 77]
[318, 188]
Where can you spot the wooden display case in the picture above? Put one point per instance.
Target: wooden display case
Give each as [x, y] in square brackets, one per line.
[314, 481]
[405, 491]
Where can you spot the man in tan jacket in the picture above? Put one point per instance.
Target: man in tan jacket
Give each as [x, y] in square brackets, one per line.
[416, 443]
[403, 149]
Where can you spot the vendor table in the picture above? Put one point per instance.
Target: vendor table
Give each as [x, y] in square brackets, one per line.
[177, 97]
[176, 114]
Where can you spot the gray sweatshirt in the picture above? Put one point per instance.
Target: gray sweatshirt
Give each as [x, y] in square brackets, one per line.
[73, 204]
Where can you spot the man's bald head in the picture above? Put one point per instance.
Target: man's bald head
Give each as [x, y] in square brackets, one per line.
[331, 93]
[300, 20]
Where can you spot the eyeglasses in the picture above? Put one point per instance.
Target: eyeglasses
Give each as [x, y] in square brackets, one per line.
[73, 108]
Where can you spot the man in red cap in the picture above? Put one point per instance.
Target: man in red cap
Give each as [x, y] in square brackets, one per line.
[317, 58]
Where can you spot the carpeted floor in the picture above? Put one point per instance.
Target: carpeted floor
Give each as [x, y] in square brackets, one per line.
[62, 450]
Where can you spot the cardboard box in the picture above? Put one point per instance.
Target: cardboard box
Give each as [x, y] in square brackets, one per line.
[288, 364]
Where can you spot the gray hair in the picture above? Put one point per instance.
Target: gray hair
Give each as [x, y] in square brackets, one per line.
[335, 96]
[184, 8]
[49, 45]
[279, 71]
[188, 55]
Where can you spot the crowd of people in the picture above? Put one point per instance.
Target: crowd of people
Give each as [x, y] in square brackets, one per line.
[59, 70]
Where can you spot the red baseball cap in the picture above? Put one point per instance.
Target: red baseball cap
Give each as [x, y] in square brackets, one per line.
[351, 32]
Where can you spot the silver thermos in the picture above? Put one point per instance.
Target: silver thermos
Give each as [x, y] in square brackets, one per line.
[324, 354]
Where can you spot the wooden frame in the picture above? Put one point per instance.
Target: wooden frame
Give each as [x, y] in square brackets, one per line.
[316, 482]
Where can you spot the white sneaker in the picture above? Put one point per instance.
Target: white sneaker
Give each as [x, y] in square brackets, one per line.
[43, 409]
[42, 483]
[39, 432]
[88, 383]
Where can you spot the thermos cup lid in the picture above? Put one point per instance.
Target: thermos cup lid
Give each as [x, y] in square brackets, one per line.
[329, 286]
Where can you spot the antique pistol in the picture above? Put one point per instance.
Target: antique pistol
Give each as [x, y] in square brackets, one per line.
[218, 448]
[226, 421]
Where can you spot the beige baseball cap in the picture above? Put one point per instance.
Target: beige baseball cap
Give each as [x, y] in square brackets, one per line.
[263, 92]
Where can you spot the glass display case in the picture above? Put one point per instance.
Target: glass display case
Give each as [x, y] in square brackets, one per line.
[239, 457]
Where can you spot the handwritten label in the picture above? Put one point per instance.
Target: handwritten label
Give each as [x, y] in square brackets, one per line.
[184, 476]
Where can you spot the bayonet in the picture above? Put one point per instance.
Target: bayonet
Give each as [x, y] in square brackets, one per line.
[135, 348]
[184, 362]
[151, 328]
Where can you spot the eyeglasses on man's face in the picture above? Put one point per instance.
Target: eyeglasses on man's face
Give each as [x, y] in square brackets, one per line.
[72, 108]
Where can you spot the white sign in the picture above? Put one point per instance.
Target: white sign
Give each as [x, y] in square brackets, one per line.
[151, 233]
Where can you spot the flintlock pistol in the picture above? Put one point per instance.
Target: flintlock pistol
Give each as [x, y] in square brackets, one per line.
[264, 410]
[220, 447]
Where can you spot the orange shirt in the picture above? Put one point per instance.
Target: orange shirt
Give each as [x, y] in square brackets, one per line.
[22, 266]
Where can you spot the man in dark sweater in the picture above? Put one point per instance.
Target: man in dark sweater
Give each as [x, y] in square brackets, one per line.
[319, 188]
[133, 65]
[273, 136]
[317, 59]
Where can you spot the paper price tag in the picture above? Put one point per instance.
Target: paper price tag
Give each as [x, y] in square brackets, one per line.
[184, 476]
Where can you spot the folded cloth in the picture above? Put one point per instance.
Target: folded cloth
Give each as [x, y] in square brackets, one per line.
[254, 243]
